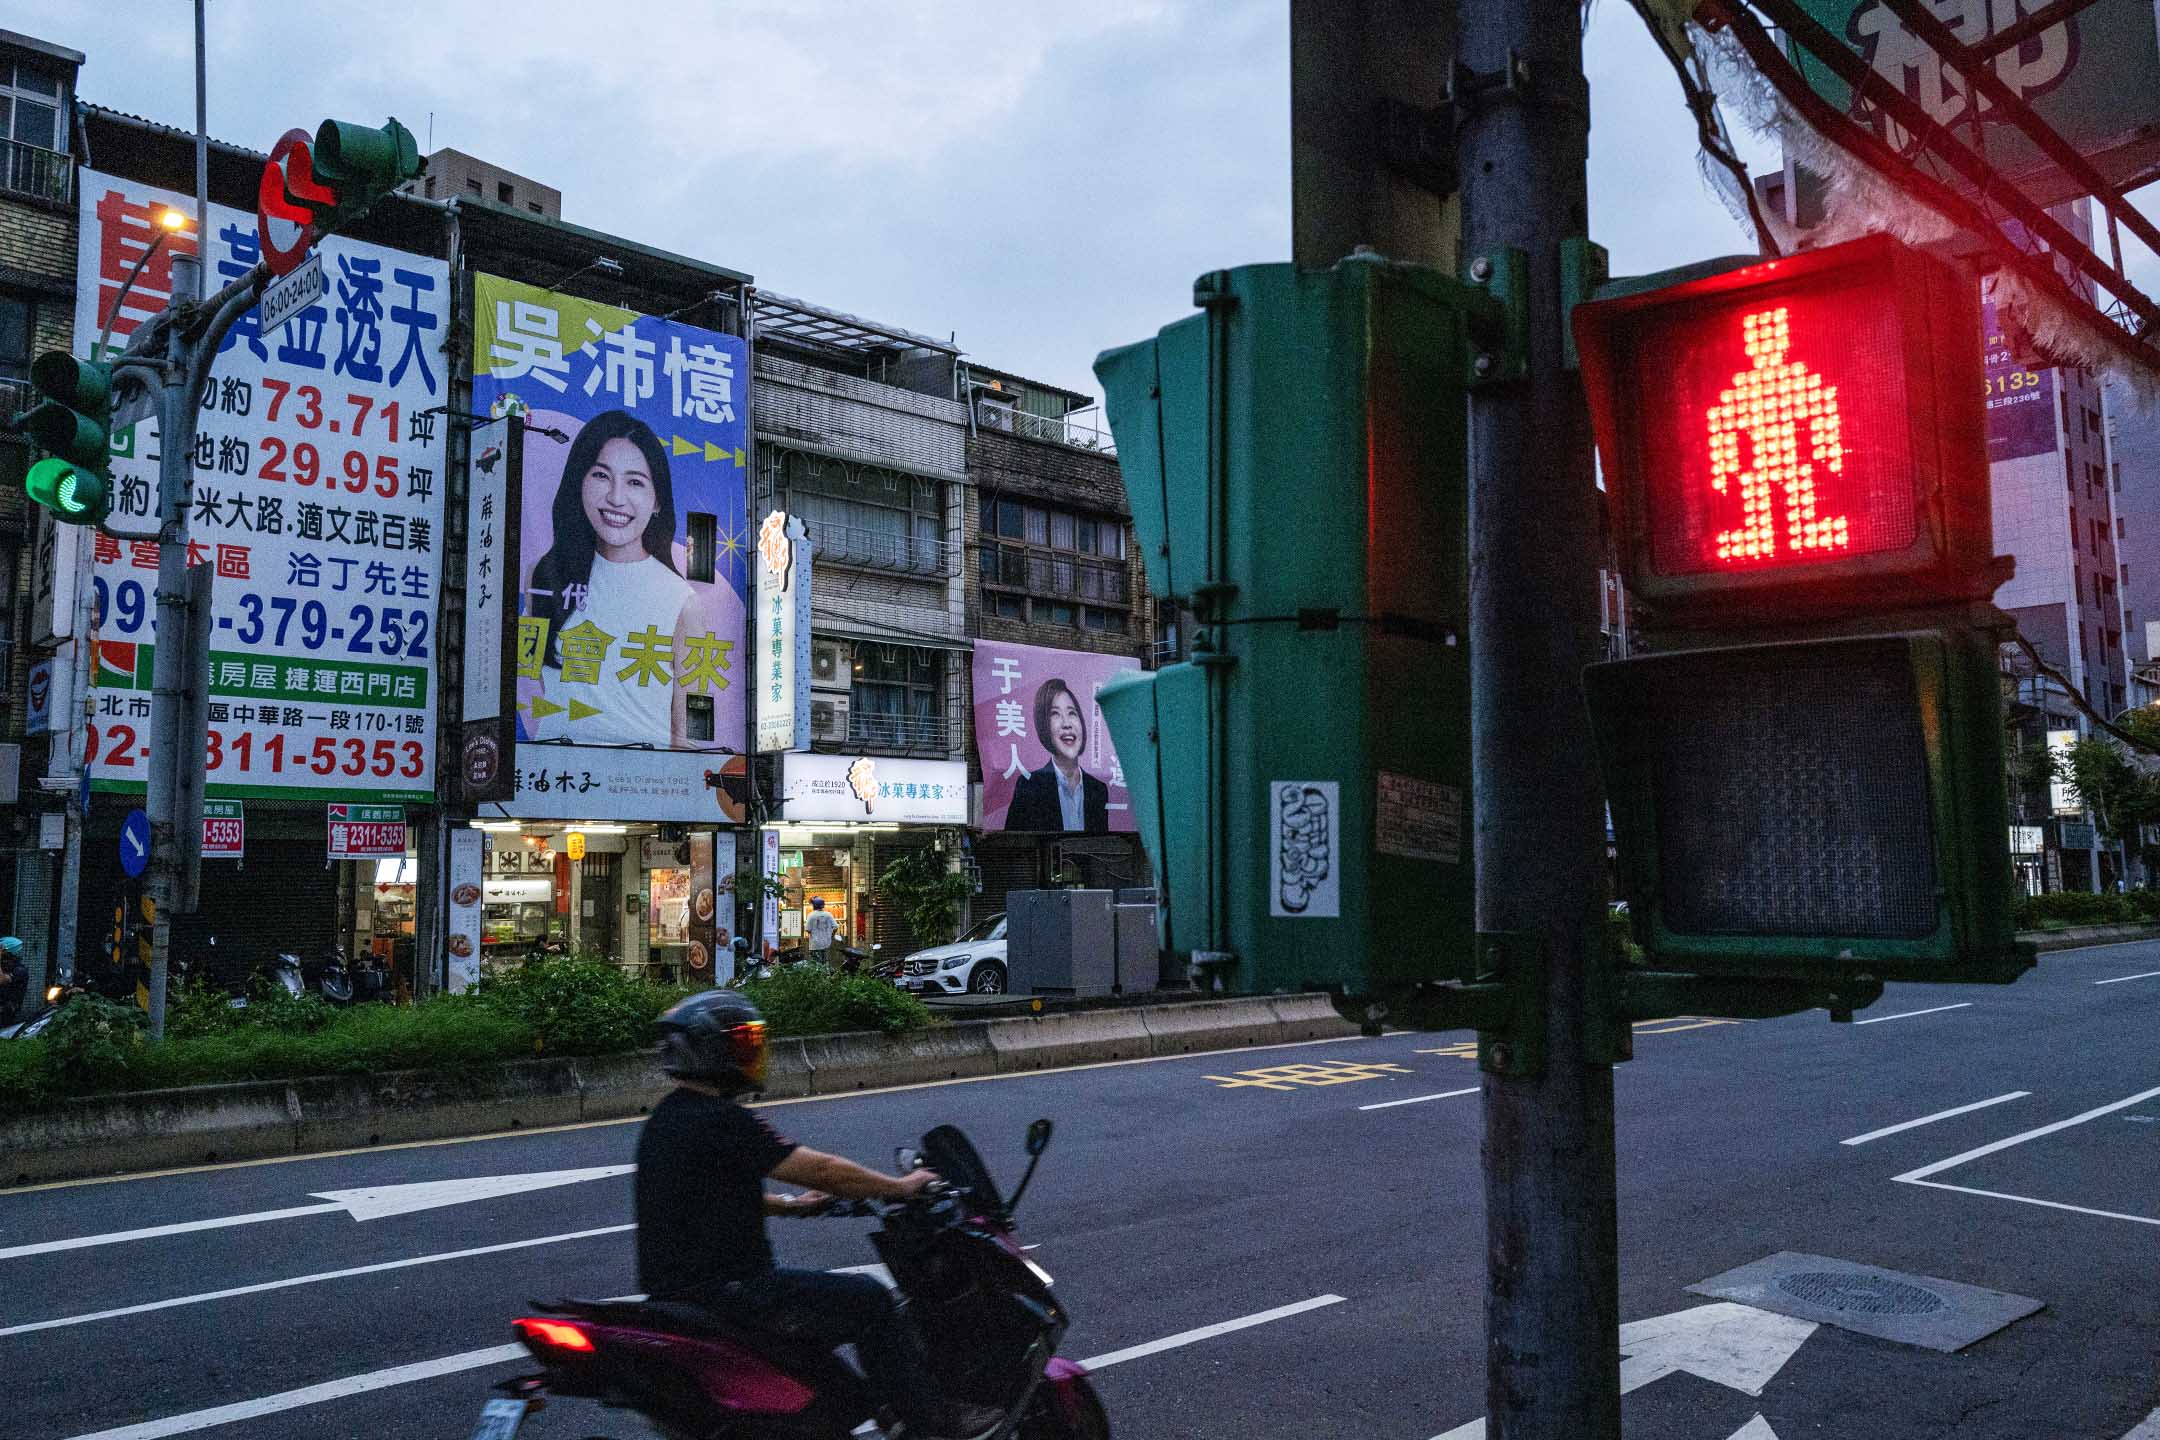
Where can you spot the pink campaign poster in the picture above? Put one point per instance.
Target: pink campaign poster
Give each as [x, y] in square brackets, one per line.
[1048, 765]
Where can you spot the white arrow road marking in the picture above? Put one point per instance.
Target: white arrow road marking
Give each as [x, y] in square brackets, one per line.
[1755, 1429]
[375, 1203]
[381, 1201]
[1733, 1345]
[1729, 1344]
[498, 1354]
[2146, 1429]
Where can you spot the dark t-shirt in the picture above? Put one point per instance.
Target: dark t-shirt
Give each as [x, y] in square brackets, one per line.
[701, 1166]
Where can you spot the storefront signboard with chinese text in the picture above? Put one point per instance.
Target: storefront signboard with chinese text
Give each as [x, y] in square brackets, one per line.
[1047, 760]
[629, 622]
[318, 470]
[367, 832]
[872, 788]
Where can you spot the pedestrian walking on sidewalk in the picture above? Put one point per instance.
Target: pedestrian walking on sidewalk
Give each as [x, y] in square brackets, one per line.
[819, 929]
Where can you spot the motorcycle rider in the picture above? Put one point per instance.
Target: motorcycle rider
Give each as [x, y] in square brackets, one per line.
[702, 1160]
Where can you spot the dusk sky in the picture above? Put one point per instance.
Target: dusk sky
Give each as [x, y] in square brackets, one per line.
[1042, 182]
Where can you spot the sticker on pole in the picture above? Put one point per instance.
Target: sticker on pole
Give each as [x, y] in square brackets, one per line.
[367, 832]
[135, 843]
[293, 293]
[224, 830]
[1305, 850]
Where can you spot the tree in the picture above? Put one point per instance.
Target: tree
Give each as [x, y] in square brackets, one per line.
[927, 893]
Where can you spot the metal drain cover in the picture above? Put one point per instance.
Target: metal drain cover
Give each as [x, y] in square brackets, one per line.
[1910, 1309]
[1858, 1294]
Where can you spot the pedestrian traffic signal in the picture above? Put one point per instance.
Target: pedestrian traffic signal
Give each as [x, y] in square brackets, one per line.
[73, 426]
[1805, 767]
[1294, 456]
[362, 164]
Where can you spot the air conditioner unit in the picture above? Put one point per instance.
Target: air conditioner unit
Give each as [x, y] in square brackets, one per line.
[990, 415]
[829, 665]
[829, 717]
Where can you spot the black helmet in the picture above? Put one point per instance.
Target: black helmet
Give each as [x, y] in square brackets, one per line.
[716, 1037]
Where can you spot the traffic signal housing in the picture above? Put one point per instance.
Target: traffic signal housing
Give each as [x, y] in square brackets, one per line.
[361, 164]
[73, 426]
[1804, 763]
[1294, 457]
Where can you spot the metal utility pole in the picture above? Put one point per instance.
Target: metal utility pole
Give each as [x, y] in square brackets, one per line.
[1552, 1297]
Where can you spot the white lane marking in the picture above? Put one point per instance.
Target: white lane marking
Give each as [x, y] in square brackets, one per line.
[1208, 1332]
[1931, 1119]
[2048, 1204]
[376, 1202]
[2149, 974]
[1420, 1099]
[1915, 1176]
[2146, 1429]
[1755, 1429]
[1726, 1343]
[84, 1242]
[1907, 1015]
[10, 1191]
[319, 1278]
[311, 1395]
[498, 1354]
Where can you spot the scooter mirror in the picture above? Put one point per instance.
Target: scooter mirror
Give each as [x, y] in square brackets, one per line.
[1038, 1137]
[905, 1160]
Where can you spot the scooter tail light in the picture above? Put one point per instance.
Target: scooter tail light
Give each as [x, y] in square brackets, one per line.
[540, 1335]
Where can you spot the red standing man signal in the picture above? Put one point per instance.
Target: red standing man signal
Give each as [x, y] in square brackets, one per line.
[1776, 403]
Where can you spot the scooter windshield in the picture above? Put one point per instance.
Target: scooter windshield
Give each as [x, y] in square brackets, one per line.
[954, 1157]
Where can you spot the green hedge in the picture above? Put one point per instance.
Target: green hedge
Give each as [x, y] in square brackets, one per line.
[568, 1006]
[2064, 908]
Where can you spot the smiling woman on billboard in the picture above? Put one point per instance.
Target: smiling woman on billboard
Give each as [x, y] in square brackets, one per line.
[606, 585]
[1060, 795]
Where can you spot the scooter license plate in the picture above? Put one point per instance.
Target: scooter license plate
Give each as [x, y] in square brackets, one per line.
[500, 1419]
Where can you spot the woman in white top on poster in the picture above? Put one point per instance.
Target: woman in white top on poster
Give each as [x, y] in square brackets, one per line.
[620, 616]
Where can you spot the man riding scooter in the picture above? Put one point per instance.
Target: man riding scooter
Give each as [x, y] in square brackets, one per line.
[702, 1161]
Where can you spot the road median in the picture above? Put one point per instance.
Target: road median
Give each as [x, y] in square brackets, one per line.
[136, 1131]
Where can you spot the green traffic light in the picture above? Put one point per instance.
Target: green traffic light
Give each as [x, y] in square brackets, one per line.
[84, 385]
[73, 494]
[372, 161]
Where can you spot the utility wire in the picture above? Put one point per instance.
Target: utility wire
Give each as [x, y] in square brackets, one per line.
[1710, 130]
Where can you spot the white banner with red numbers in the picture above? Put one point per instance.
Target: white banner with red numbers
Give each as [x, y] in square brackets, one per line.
[318, 475]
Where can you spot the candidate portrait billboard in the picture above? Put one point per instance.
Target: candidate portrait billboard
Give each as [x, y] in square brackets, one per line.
[632, 561]
[1047, 762]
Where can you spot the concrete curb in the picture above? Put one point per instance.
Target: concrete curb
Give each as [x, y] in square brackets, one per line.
[2075, 936]
[211, 1124]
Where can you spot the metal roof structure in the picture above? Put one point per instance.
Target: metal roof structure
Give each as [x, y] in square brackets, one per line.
[835, 330]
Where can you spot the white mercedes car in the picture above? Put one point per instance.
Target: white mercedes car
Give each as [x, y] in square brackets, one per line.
[974, 964]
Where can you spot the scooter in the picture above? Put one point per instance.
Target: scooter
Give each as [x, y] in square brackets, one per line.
[696, 1376]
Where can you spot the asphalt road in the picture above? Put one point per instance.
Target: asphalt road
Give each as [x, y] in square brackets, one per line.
[1278, 1186]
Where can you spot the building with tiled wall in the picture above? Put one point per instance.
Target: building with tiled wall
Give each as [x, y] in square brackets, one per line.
[2133, 428]
[37, 313]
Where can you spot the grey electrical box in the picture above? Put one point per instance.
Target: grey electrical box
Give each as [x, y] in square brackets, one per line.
[1139, 955]
[1060, 942]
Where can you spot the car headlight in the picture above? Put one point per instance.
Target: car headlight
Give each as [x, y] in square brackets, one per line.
[954, 962]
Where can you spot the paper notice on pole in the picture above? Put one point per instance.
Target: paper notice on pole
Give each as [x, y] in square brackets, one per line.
[1417, 819]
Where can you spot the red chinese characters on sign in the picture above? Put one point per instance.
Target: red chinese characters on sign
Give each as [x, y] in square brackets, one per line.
[127, 229]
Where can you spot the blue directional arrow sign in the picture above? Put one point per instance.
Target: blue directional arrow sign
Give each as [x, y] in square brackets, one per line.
[135, 843]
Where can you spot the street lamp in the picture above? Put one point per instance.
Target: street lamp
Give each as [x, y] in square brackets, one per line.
[170, 222]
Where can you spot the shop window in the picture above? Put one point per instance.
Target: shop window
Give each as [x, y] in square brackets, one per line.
[698, 717]
[867, 515]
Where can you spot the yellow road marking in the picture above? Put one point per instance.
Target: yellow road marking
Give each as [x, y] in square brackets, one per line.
[1290, 1077]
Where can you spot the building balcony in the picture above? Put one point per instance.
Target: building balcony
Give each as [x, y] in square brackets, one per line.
[882, 550]
[37, 172]
[935, 733]
[1081, 430]
[1044, 572]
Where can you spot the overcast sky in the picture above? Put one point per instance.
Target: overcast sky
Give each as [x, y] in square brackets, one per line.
[1040, 181]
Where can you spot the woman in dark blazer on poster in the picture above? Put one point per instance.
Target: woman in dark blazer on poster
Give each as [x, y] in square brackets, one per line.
[1060, 796]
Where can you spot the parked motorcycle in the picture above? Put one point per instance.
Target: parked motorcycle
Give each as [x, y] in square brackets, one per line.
[57, 994]
[952, 1251]
[333, 980]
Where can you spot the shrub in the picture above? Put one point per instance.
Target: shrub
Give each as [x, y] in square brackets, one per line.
[577, 1006]
[442, 1033]
[813, 1000]
[22, 1074]
[92, 1043]
[2074, 907]
[196, 1007]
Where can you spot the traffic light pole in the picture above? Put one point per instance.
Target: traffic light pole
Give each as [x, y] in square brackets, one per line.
[1552, 1297]
[192, 334]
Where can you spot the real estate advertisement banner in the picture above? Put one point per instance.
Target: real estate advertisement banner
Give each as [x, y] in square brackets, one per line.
[1047, 760]
[317, 497]
[2020, 401]
[630, 608]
